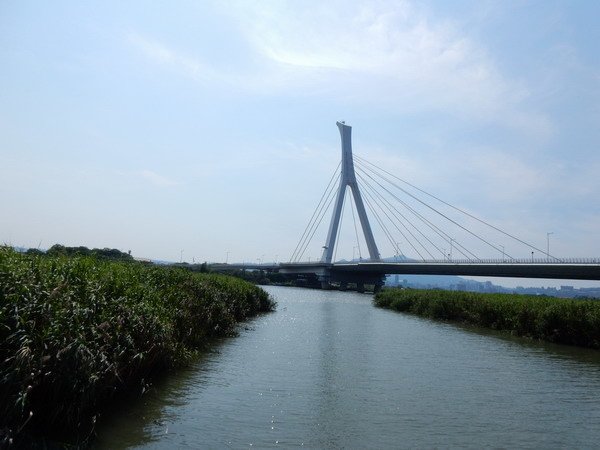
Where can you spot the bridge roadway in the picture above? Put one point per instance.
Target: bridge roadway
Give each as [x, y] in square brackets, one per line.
[349, 271]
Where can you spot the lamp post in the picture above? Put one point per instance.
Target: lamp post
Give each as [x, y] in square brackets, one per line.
[548, 243]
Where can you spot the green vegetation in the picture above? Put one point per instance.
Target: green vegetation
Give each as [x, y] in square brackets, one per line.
[261, 277]
[202, 268]
[77, 331]
[565, 321]
[102, 253]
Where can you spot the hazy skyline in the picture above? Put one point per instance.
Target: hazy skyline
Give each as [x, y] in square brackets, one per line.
[209, 127]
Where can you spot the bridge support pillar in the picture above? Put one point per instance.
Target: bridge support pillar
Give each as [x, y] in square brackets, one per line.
[360, 287]
[343, 286]
[348, 179]
[325, 285]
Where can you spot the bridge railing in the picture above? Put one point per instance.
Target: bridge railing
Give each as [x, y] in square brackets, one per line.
[503, 261]
[552, 261]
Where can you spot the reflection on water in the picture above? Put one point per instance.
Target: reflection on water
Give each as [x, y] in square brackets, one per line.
[328, 370]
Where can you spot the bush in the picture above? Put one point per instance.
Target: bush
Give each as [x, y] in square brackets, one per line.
[565, 321]
[75, 331]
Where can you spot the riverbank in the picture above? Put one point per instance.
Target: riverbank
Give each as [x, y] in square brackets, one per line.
[329, 370]
[77, 332]
[564, 321]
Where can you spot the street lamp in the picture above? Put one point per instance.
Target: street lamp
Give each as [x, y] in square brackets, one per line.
[548, 243]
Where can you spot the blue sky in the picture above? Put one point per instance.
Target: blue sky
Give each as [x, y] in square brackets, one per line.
[209, 127]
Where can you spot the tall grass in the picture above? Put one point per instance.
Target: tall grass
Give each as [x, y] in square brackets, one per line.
[565, 321]
[75, 332]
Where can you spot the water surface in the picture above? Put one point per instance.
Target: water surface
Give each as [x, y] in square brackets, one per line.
[329, 370]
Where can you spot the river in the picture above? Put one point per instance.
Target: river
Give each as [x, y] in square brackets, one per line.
[329, 370]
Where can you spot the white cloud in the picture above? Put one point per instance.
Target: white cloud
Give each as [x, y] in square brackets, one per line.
[507, 177]
[390, 55]
[383, 53]
[156, 179]
[161, 53]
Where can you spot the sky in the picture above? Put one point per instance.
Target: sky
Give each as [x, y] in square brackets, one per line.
[205, 130]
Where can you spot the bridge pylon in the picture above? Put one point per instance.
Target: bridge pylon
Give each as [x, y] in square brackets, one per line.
[348, 179]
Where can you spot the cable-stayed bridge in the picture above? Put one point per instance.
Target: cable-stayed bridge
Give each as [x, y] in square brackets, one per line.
[443, 239]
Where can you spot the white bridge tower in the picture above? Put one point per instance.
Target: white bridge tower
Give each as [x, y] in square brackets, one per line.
[348, 179]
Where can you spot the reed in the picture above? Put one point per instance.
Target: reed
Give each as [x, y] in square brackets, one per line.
[565, 321]
[77, 331]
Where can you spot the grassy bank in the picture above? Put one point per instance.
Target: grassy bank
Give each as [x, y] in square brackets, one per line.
[77, 331]
[565, 321]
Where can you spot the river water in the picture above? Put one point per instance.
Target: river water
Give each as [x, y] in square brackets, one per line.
[329, 370]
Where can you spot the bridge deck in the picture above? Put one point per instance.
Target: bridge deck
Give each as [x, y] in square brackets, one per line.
[554, 270]
[521, 270]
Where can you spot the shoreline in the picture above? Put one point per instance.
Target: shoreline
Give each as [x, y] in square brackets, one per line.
[562, 321]
[79, 332]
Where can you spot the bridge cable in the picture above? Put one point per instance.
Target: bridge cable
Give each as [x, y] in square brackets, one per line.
[315, 211]
[322, 212]
[384, 228]
[368, 192]
[446, 203]
[394, 243]
[394, 211]
[325, 207]
[444, 236]
[455, 208]
[368, 198]
[444, 215]
[332, 197]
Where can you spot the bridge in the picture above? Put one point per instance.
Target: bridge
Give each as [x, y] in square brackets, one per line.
[408, 220]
